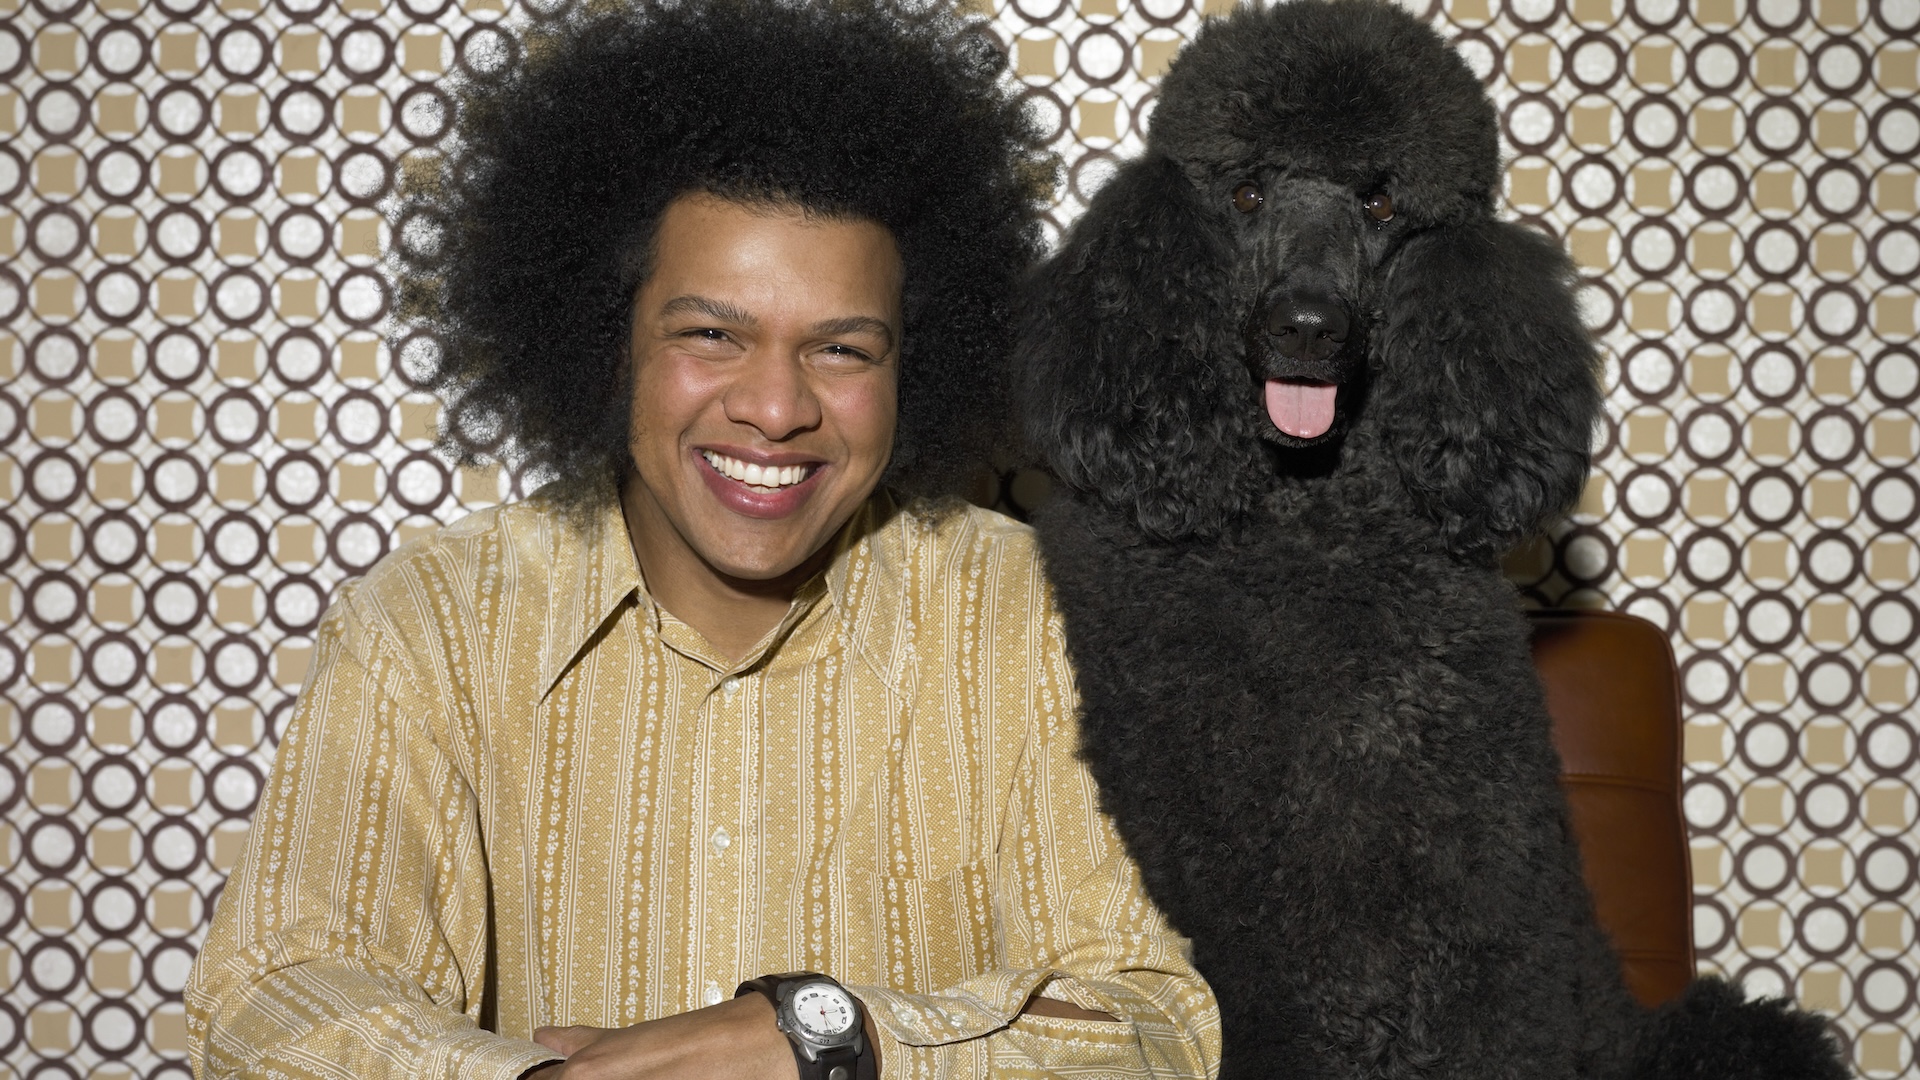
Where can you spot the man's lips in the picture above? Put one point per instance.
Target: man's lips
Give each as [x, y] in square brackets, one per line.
[771, 487]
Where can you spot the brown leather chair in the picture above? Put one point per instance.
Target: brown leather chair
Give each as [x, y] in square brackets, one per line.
[1614, 694]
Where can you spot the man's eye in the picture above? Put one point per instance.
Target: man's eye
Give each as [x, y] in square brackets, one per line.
[705, 337]
[847, 351]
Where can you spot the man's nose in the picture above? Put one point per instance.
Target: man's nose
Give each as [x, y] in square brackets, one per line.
[774, 395]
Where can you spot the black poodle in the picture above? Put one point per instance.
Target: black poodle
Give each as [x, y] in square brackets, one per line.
[1301, 388]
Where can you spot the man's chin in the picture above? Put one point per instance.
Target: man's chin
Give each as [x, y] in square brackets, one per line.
[757, 553]
[762, 571]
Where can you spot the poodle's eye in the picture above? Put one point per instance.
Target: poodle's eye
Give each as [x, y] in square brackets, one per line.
[1380, 206]
[1247, 198]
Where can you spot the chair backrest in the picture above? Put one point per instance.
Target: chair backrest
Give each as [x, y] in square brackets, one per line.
[1614, 695]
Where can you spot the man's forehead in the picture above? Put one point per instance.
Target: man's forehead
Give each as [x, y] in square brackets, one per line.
[726, 259]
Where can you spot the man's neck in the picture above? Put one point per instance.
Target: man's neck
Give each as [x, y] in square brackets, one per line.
[732, 614]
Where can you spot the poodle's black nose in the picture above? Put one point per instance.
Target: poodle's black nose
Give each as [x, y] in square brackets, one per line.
[1307, 329]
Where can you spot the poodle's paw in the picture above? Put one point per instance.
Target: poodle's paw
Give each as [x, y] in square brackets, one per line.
[1713, 1032]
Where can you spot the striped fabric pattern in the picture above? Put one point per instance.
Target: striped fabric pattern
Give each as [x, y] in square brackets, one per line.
[515, 792]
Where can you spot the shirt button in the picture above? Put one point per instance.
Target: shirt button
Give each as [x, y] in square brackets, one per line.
[729, 686]
[720, 840]
[713, 995]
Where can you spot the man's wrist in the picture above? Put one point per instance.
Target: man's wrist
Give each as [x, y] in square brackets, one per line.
[828, 1029]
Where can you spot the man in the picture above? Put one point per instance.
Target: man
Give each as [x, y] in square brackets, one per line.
[710, 707]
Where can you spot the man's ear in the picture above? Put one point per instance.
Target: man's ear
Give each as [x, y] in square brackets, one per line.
[1121, 340]
[1489, 386]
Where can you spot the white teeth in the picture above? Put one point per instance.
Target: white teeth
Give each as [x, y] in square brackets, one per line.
[763, 477]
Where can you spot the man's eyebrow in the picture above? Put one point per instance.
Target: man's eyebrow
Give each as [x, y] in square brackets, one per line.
[721, 311]
[855, 324]
[718, 310]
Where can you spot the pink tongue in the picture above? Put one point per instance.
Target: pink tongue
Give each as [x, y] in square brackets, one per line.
[1302, 410]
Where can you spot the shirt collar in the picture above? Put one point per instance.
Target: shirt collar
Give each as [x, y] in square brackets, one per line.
[877, 582]
[593, 576]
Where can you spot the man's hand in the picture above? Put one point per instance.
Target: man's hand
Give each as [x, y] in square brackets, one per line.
[734, 1040]
[1040, 1006]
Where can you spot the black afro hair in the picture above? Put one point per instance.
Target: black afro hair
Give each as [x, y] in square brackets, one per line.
[518, 258]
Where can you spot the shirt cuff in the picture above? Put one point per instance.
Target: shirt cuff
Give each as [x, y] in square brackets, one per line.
[967, 1011]
[480, 1053]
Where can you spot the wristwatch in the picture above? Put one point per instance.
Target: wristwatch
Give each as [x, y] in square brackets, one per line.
[821, 1020]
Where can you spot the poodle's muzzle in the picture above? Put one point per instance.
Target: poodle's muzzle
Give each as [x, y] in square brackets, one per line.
[1302, 349]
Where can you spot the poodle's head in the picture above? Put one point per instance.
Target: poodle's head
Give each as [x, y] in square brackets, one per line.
[1355, 94]
[1302, 279]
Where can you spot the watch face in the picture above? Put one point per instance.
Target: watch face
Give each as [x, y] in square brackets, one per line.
[823, 1011]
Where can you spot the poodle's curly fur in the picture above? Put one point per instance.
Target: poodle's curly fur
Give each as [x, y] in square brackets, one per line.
[519, 257]
[1307, 692]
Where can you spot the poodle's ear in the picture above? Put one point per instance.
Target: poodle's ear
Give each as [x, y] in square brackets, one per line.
[1488, 390]
[1118, 353]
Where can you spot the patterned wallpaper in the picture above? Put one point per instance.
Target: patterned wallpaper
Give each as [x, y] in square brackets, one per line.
[202, 432]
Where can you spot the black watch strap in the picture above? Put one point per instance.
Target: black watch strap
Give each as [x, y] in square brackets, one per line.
[826, 1063]
[839, 1063]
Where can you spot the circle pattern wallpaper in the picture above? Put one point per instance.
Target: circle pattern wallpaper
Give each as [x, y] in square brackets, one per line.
[202, 433]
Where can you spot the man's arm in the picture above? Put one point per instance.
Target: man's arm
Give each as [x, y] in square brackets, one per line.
[351, 939]
[1098, 984]
[735, 1039]
[1071, 920]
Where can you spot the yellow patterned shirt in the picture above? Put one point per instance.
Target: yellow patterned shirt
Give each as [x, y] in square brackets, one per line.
[516, 792]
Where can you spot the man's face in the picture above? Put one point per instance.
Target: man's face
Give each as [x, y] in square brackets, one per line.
[766, 351]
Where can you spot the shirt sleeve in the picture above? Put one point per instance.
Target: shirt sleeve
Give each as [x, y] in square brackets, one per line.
[1079, 928]
[351, 939]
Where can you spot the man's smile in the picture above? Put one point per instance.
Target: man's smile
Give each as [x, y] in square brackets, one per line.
[767, 491]
[765, 478]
